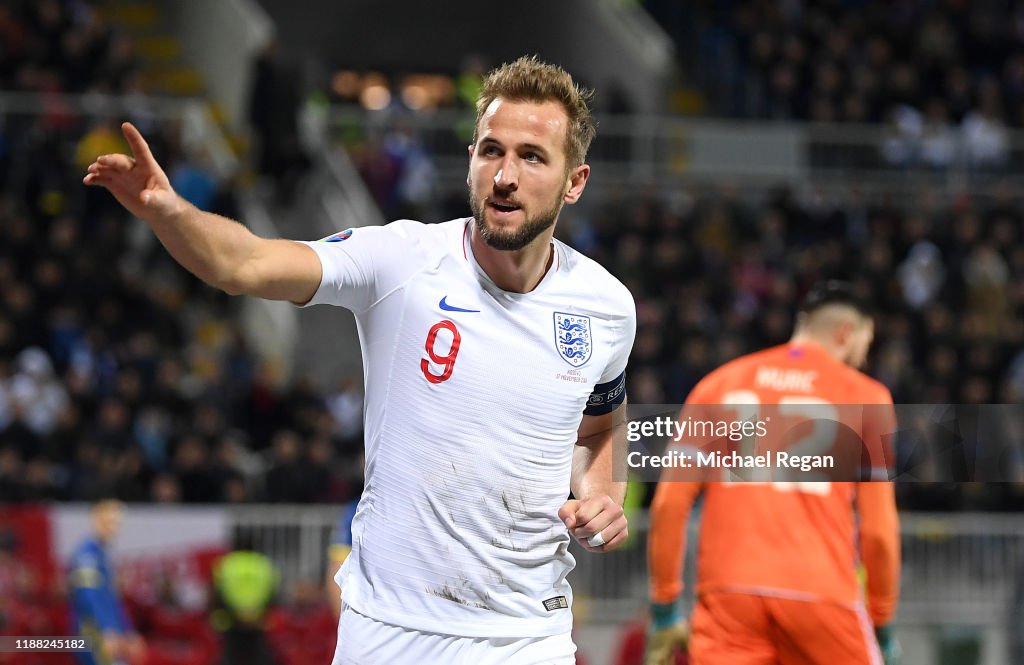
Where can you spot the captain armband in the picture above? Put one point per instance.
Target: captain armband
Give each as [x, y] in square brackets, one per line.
[606, 396]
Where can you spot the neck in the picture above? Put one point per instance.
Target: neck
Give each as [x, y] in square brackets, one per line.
[519, 271]
[805, 339]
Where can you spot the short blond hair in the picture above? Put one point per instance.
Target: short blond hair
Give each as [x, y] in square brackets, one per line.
[528, 79]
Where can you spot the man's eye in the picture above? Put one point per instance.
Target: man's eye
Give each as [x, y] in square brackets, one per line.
[532, 157]
[490, 150]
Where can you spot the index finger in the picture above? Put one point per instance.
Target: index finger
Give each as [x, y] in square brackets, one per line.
[138, 145]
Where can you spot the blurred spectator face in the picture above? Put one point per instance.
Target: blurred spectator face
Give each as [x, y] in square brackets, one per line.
[865, 81]
[63, 233]
[879, 53]
[1004, 234]
[942, 363]
[648, 345]
[169, 375]
[165, 489]
[114, 416]
[794, 51]
[321, 452]
[775, 324]
[762, 49]
[838, 43]
[958, 83]
[38, 474]
[286, 447]
[783, 80]
[191, 454]
[938, 320]
[827, 78]
[228, 452]
[647, 388]
[234, 490]
[976, 390]
[48, 13]
[903, 82]
[823, 110]
[631, 249]
[306, 594]
[696, 353]
[209, 420]
[129, 385]
[10, 463]
[49, 275]
[106, 519]
[855, 109]
[731, 346]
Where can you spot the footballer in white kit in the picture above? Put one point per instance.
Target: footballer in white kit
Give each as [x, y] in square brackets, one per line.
[494, 360]
[473, 400]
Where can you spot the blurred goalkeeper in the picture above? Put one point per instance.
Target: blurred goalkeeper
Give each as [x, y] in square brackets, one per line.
[495, 360]
[779, 566]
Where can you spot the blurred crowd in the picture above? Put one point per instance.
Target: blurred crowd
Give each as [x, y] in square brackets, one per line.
[947, 77]
[119, 372]
[63, 46]
[716, 275]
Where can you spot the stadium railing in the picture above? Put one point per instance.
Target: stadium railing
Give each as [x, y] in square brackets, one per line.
[958, 568]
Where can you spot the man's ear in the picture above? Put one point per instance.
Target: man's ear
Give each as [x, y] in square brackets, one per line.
[843, 333]
[577, 181]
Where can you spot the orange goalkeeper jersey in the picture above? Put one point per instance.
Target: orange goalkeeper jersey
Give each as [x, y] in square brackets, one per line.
[801, 540]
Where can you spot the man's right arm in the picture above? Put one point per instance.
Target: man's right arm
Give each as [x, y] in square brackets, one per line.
[217, 250]
[880, 548]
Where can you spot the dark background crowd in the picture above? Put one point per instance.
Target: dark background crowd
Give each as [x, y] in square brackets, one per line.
[945, 76]
[852, 60]
[120, 373]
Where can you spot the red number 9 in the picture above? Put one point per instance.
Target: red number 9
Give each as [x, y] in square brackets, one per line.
[447, 361]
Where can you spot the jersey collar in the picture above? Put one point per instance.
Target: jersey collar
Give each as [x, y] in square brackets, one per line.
[467, 254]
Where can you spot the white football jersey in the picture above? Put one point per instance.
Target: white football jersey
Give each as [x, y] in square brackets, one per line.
[473, 399]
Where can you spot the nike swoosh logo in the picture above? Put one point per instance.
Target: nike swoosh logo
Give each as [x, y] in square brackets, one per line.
[451, 308]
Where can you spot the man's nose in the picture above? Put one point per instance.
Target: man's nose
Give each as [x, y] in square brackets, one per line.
[507, 177]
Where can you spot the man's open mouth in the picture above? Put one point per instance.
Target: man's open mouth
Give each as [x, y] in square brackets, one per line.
[502, 206]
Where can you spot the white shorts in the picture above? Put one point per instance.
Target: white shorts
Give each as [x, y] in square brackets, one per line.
[366, 641]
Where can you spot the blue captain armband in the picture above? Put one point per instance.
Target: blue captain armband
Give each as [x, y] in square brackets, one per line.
[606, 396]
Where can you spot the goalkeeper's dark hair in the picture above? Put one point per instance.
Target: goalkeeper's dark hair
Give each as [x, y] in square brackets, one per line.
[834, 292]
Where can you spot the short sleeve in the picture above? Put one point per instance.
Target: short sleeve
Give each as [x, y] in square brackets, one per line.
[623, 342]
[362, 265]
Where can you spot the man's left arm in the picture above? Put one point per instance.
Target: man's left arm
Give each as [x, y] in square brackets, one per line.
[597, 504]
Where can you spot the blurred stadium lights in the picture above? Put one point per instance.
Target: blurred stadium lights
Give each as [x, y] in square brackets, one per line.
[375, 91]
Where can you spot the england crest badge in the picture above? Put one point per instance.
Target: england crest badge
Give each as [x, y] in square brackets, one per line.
[572, 338]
